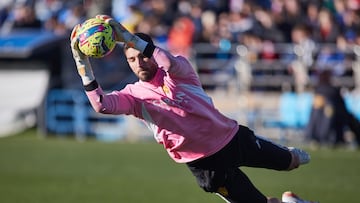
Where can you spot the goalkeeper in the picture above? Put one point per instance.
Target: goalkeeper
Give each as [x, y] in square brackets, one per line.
[169, 98]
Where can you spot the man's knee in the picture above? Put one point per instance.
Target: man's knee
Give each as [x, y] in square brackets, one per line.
[211, 180]
[214, 182]
[231, 184]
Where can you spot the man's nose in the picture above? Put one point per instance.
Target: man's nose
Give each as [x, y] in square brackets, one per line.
[141, 61]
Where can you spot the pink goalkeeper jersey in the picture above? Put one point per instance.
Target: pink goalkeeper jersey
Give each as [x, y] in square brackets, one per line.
[175, 108]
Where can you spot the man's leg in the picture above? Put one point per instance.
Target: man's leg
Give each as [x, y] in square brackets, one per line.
[220, 174]
[231, 184]
[238, 188]
[263, 153]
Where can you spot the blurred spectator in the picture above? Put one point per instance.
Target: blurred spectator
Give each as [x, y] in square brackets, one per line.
[265, 4]
[208, 21]
[164, 10]
[352, 4]
[356, 64]
[47, 9]
[329, 57]
[74, 14]
[21, 16]
[59, 16]
[133, 18]
[339, 11]
[272, 20]
[236, 6]
[262, 26]
[253, 43]
[327, 29]
[268, 52]
[180, 37]
[311, 19]
[266, 27]
[147, 25]
[53, 25]
[291, 15]
[349, 25]
[195, 15]
[223, 32]
[4, 13]
[24, 17]
[240, 22]
[329, 115]
[306, 47]
[218, 6]
[95, 7]
[304, 50]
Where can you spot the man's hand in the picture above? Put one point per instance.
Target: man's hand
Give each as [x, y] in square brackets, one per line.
[82, 62]
[77, 54]
[123, 35]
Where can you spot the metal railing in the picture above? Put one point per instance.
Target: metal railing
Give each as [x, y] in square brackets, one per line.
[284, 65]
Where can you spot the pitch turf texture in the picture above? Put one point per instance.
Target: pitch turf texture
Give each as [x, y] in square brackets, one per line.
[37, 170]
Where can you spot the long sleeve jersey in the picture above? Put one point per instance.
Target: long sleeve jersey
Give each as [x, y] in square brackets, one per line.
[174, 106]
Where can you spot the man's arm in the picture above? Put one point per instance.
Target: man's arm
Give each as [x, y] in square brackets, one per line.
[101, 102]
[82, 62]
[130, 39]
[176, 66]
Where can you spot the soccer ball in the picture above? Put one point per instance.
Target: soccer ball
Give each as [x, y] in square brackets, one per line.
[96, 38]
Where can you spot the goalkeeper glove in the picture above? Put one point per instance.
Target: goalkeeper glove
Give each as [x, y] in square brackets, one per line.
[123, 35]
[82, 62]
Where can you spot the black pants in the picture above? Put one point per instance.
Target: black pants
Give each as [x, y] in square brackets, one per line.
[220, 172]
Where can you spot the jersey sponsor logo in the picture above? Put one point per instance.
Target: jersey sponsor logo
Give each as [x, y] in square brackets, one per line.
[167, 103]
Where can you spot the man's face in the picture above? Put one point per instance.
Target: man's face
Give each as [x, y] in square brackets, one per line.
[144, 68]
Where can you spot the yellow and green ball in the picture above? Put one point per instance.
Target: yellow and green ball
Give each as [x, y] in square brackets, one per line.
[96, 38]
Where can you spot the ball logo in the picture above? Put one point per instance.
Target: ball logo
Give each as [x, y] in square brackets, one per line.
[91, 31]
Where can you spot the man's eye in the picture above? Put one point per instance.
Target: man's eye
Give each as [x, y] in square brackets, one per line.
[131, 59]
[144, 58]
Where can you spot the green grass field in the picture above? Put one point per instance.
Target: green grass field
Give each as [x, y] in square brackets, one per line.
[37, 170]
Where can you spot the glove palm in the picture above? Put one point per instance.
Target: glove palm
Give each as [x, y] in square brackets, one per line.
[82, 62]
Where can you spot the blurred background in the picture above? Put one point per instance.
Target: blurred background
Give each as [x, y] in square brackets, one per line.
[260, 60]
